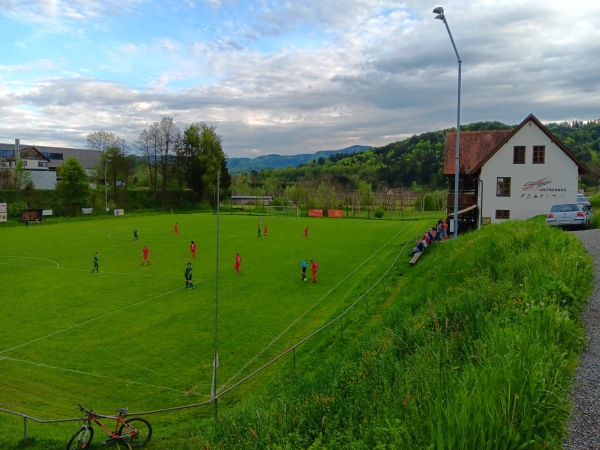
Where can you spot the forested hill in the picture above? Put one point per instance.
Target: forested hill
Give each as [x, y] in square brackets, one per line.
[237, 165]
[420, 160]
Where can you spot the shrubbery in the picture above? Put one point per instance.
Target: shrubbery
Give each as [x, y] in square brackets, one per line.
[15, 208]
[481, 355]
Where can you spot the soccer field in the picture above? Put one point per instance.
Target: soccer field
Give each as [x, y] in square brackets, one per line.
[133, 336]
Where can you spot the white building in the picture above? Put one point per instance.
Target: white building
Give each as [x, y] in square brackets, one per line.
[42, 162]
[35, 164]
[510, 174]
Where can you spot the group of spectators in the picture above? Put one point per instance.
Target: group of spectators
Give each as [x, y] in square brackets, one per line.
[438, 232]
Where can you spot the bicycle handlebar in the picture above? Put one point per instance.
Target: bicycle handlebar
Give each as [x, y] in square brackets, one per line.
[122, 413]
[88, 413]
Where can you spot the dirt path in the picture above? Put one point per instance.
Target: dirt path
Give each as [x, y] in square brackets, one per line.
[584, 428]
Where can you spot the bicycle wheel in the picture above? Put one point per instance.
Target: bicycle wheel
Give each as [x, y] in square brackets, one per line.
[81, 439]
[136, 432]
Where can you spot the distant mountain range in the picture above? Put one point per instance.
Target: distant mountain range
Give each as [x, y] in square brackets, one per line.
[239, 165]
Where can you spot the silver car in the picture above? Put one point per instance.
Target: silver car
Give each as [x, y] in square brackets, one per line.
[583, 201]
[569, 215]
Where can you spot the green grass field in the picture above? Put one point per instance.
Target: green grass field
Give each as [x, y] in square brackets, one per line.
[133, 336]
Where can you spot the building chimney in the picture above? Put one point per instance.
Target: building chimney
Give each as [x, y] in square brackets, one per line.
[17, 150]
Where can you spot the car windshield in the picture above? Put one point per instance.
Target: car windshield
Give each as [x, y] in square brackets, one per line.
[564, 208]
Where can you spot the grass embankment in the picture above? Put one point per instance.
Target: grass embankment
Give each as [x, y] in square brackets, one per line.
[477, 351]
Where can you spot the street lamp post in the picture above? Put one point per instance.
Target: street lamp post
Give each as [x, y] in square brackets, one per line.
[440, 15]
[105, 184]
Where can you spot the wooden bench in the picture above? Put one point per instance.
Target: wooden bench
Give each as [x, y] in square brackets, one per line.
[417, 255]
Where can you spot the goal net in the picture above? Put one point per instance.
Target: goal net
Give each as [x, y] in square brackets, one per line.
[292, 211]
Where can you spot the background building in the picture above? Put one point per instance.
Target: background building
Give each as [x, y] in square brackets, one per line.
[510, 174]
[43, 161]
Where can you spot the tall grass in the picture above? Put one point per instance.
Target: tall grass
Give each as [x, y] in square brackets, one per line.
[476, 350]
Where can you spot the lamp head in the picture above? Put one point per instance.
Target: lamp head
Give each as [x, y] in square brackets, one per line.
[438, 10]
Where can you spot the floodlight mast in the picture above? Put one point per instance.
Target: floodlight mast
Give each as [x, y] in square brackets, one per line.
[216, 355]
[105, 184]
[440, 15]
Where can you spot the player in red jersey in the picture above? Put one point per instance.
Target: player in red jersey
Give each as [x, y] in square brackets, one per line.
[266, 232]
[176, 230]
[145, 255]
[314, 267]
[193, 249]
[238, 263]
[305, 233]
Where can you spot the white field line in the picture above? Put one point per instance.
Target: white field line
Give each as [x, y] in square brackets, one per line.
[29, 265]
[127, 273]
[169, 239]
[137, 366]
[89, 321]
[301, 316]
[83, 270]
[95, 375]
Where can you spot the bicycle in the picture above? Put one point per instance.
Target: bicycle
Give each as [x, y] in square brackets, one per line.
[134, 432]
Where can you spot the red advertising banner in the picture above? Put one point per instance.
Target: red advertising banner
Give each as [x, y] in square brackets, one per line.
[335, 213]
[315, 213]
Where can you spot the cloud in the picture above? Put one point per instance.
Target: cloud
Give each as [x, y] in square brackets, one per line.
[290, 77]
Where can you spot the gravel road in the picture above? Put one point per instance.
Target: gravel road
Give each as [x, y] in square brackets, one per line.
[584, 428]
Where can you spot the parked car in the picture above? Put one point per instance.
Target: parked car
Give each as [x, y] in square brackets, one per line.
[570, 215]
[582, 200]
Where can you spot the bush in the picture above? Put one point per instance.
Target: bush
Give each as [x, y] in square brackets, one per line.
[429, 202]
[379, 213]
[15, 208]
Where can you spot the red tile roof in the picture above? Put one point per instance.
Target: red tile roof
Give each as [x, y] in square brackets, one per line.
[476, 147]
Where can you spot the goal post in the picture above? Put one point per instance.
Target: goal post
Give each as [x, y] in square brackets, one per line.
[290, 211]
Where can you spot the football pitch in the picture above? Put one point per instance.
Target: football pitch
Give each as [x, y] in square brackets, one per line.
[133, 335]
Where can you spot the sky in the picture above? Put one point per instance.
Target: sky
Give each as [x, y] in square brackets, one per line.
[289, 76]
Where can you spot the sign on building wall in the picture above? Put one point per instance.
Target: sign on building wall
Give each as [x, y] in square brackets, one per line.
[542, 188]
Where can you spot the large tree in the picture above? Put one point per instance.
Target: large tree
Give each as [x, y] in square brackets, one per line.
[73, 187]
[149, 144]
[169, 137]
[114, 166]
[202, 150]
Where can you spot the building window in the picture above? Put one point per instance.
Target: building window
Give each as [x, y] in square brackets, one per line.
[519, 154]
[503, 187]
[42, 164]
[539, 154]
[24, 163]
[502, 214]
[49, 155]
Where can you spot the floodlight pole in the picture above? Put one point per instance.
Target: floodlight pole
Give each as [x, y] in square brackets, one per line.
[216, 358]
[440, 15]
[105, 185]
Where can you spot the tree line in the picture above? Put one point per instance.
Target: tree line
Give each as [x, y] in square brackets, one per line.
[416, 163]
[164, 157]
